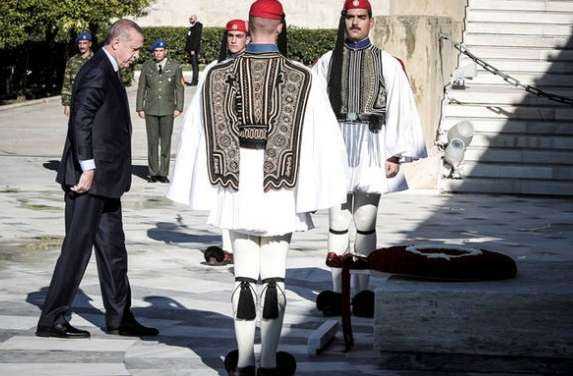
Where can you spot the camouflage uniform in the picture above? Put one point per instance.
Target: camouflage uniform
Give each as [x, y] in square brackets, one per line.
[72, 68]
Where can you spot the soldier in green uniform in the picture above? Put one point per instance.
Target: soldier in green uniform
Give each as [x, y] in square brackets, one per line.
[160, 96]
[84, 42]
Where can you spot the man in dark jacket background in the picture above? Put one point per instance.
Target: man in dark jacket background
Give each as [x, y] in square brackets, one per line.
[95, 172]
[193, 46]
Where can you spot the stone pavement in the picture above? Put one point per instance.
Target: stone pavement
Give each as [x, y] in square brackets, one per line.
[189, 301]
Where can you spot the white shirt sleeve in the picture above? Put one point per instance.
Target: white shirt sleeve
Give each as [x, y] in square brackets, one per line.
[88, 165]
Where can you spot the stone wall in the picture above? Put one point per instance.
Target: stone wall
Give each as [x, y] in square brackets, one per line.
[454, 9]
[429, 63]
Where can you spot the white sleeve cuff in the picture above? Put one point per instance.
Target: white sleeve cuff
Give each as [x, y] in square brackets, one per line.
[88, 165]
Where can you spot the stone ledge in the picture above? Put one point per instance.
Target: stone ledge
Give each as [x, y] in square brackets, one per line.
[528, 317]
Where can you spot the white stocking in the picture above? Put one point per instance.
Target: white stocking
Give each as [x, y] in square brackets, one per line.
[273, 266]
[247, 265]
[338, 238]
[365, 214]
[227, 245]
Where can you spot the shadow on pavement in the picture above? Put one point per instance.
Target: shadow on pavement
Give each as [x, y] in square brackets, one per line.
[52, 165]
[140, 171]
[175, 322]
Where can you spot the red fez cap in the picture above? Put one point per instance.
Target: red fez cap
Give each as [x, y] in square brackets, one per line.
[357, 4]
[237, 25]
[270, 9]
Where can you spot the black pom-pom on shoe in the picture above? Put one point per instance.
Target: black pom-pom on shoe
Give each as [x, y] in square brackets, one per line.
[286, 366]
[363, 304]
[214, 255]
[329, 303]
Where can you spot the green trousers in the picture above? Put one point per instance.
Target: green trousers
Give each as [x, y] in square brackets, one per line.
[159, 131]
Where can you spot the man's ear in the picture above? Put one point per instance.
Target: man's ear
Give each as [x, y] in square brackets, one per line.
[280, 28]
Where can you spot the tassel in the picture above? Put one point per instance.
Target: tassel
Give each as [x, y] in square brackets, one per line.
[246, 307]
[271, 304]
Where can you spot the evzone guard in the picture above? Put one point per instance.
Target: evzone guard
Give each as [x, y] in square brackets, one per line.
[233, 44]
[261, 151]
[370, 94]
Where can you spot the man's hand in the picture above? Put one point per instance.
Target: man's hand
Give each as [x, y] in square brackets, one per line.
[67, 111]
[392, 168]
[141, 114]
[176, 113]
[85, 183]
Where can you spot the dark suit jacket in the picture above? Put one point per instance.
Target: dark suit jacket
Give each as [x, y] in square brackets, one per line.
[99, 128]
[194, 38]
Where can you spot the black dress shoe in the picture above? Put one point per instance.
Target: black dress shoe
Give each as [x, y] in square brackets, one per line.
[131, 328]
[151, 179]
[163, 179]
[61, 331]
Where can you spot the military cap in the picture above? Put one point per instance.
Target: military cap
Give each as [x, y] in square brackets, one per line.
[84, 35]
[159, 43]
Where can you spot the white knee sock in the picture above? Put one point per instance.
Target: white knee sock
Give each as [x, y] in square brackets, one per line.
[364, 244]
[227, 245]
[271, 328]
[338, 241]
[365, 214]
[246, 251]
[244, 330]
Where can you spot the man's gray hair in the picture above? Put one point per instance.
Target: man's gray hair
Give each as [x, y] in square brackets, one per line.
[121, 29]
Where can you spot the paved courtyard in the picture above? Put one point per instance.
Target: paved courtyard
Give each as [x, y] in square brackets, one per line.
[189, 301]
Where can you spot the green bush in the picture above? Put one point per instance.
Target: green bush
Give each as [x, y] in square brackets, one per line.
[35, 69]
[305, 45]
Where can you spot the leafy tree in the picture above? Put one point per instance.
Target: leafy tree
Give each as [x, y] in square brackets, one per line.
[57, 20]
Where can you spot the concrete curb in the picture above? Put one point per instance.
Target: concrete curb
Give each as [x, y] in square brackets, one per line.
[56, 98]
[32, 102]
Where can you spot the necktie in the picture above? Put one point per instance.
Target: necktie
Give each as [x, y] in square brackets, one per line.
[160, 69]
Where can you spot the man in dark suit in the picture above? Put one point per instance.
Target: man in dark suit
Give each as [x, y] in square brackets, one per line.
[193, 46]
[95, 172]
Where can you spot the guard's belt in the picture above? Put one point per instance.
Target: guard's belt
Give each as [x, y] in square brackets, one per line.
[376, 121]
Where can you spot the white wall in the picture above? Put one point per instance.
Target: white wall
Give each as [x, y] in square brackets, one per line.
[302, 13]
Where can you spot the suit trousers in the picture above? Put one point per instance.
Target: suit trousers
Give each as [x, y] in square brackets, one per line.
[194, 61]
[159, 131]
[91, 221]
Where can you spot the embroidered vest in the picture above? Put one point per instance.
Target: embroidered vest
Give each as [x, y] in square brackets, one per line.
[255, 101]
[363, 86]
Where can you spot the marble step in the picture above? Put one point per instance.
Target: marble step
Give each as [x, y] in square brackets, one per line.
[484, 39]
[506, 95]
[522, 5]
[507, 186]
[539, 67]
[522, 127]
[511, 141]
[542, 80]
[498, 28]
[546, 172]
[517, 155]
[526, 54]
[517, 15]
[509, 112]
